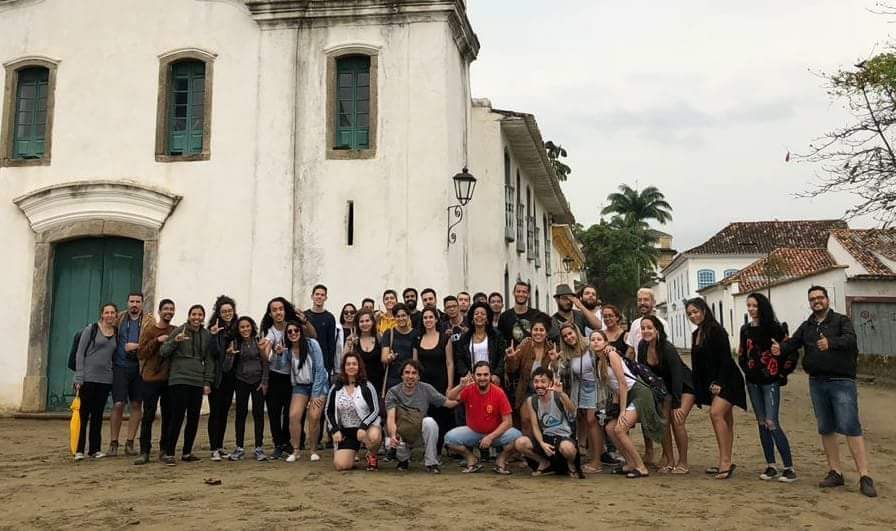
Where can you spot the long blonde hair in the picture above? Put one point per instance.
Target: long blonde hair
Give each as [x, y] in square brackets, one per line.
[603, 357]
[568, 352]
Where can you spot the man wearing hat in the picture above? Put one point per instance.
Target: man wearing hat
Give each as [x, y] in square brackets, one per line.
[571, 309]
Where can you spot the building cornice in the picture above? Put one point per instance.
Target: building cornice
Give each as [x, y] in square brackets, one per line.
[291, 13]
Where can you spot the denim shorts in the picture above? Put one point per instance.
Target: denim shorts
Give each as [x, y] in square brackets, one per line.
[836, 405]
[464, 436]
[302, 389]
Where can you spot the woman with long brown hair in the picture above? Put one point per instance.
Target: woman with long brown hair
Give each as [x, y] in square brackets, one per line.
[520, 360]
[353, 415]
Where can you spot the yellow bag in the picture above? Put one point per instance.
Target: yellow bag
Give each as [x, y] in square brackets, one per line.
[75, 425]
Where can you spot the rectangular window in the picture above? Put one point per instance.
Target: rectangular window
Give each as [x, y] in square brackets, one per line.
[350, 223]
[352, 102]
[30, 118]
[186, 108]
[705, 277]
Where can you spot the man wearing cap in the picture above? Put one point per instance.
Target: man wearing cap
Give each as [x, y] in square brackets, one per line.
[571, 310]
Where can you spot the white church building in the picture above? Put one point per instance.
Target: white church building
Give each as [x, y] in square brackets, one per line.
[189, 148]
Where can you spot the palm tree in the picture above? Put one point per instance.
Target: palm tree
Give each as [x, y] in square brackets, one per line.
[634, 207]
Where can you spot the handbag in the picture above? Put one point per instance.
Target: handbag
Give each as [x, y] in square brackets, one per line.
[409, 423]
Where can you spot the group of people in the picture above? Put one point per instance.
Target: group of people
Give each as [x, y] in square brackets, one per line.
[479, 382]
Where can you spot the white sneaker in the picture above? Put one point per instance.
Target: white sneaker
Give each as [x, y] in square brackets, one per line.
[216, 455]
[315, 457]
[293, 457]
[79, 456]
[99, 455]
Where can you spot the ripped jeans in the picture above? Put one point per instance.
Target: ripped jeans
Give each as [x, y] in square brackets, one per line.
[766, 400]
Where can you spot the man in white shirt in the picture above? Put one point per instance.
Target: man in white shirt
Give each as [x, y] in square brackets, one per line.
[646, 306]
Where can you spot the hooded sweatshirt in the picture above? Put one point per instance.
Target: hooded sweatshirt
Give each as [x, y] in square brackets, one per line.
[191, 362]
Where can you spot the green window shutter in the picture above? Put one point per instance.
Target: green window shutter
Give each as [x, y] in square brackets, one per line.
[30, 127]
[353, 102]
[186, 112]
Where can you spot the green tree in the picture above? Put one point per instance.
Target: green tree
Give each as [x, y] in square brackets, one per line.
[555, 153]
[635, 207]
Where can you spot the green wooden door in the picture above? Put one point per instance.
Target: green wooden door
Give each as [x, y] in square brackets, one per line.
[86, 273]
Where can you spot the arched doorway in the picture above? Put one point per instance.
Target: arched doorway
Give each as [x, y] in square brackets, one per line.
[87, 272]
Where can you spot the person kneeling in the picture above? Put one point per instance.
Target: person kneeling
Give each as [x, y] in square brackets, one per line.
[406, 404]
[552, 445]
[353, 415]
[489, 420]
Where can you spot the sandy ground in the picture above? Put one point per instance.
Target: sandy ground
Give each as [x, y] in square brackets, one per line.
[41, 487]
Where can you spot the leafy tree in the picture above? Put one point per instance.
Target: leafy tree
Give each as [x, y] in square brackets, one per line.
[635, 207]
[555, 153]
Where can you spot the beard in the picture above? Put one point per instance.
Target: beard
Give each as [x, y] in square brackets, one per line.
[412, 304]
[591, 305]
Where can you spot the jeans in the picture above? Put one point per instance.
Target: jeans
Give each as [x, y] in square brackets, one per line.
[93, 404]
[464, 436]
[153, 393]
[836, 405]
[430, 437]
[243, 392]
[219, 402]
[186, 401]
[766, 400]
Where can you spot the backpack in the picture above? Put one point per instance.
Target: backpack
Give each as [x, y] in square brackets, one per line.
[73, 352]
[409, 423]
[561, 407]
[647, 377]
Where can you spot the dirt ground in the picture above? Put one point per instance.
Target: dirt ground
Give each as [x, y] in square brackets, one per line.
[42, 488]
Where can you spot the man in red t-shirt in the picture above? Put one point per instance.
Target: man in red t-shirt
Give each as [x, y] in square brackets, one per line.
[489, 421]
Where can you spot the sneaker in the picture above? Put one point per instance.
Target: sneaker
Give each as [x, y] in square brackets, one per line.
[293, 457]
[866, 485]
[259, 454]
[216, 455]
[278, 453]
[433, 469]
[142, 460]
[113, 449]
[372, 463]
[769, 474]
[79, 456]
[223, 453]
[98, 455]
[129, 448]
[788, 476]
[833, 479]
[315, 457]
[189, 458]
[609, 459]
[402, 466]
[237, 454]
[170, 460]
[390, 455]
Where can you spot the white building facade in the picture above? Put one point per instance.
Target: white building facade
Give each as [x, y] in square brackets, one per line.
[188, 148]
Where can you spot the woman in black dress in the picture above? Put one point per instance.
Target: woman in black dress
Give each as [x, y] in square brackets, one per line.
[658, 353]
[614, 330]
[366, 345]
[718, 382]
[434, 352]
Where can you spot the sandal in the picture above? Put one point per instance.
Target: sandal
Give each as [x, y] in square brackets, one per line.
[472, 469]
[621, 471]
[588, 469]
[636, 474]
[726, 474]
[712, 471]
[681, 470]
[665, 469]
[546, 471]
[502, 470]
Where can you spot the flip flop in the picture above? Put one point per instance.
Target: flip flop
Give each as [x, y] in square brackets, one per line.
[619, 471]
[665, 469]
[588, 469]
[472, 469]
[726, 474]
[503, 470]
[713, 470]
[681, 470]
[636, 474]
[543, 472]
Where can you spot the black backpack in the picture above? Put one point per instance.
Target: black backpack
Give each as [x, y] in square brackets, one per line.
[73, 353]
[648, 377]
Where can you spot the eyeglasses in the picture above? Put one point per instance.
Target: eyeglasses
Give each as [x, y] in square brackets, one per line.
[349, 312]
[292, 331]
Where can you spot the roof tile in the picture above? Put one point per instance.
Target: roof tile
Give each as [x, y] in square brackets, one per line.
[763, 237]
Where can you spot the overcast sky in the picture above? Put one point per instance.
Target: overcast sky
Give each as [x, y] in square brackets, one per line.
[700, 98]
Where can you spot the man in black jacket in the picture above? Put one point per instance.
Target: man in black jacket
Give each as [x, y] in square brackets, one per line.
[828, 340]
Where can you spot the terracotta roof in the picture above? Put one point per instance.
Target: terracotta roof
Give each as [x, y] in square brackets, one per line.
[866, 244]
[782, 265]
[763, 237]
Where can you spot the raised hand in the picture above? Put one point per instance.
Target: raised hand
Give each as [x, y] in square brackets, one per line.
[512, 350]
[823, 343]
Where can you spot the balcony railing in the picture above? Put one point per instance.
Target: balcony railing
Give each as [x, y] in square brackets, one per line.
[547, 257]
[530, 238]
[520, 229]
[508, 213]
[537, 249]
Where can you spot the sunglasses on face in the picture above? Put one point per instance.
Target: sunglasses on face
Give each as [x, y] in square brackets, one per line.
[293, 331]
[349, 312]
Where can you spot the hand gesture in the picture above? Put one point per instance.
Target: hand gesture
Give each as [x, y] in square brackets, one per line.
[182, 336]
[279, 348]
[776, 348]
[558, 386]
[512, 351]
[231, 349]
[467, 380]
[547, 448]
[823, 344]
[214, 329]
[552, 353]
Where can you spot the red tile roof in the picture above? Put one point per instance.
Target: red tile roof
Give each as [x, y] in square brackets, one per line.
[782, 265]
[763, 237]
[865, 244]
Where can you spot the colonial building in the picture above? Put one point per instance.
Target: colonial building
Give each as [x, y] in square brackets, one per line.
[731, 249]
[189, 148]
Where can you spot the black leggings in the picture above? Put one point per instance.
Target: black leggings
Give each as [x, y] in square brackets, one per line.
[243, 392]
[219, 409]
[153, 393]
[278, 399]
[186, 400]
[93, 404]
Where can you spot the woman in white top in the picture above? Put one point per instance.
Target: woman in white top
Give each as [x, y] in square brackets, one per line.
[634, 403]
[577, 368]
[353, 415]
